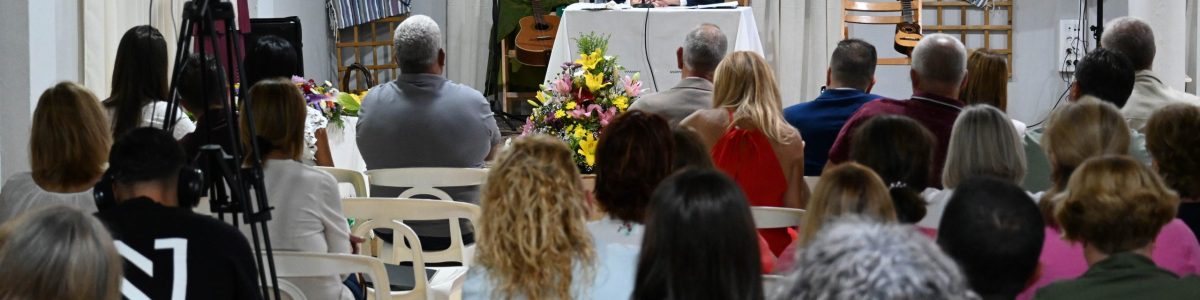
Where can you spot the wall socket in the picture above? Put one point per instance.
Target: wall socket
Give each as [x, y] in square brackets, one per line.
[1070, 45]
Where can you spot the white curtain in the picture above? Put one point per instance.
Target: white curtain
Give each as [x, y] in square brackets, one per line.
[105, 22]
[798, 37]
[468, 28]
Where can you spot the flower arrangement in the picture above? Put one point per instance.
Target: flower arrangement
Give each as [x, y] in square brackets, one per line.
[582, 99]
[332, 103]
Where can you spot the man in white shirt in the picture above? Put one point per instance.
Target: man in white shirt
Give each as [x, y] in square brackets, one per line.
[1135, 39]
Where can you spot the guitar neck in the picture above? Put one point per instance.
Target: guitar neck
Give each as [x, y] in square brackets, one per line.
[906, 10]
[538, 12]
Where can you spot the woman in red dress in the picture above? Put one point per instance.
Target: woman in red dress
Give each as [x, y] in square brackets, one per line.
[749, 139]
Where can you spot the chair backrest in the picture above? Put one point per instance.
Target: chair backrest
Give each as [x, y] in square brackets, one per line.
[776, 217]
[392, 209]
[305, 264]
[771, 282]
[291, 291]
[401, 234]
[362, 187]
[811, 181]
[427, 181]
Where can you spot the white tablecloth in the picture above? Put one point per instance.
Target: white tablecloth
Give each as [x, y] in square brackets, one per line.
[657, 32]
[343, 145]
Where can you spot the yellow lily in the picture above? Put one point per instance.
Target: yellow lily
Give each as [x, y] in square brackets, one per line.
[594, 82]
[589, 61]
[621, 102]
[541, 97]
[570, 105]
[559, 114]
[587, 148]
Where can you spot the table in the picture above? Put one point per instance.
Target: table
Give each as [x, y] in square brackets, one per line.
[343, 145]
[637, 33]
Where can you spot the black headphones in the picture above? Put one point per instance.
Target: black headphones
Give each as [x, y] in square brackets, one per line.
[190, 187]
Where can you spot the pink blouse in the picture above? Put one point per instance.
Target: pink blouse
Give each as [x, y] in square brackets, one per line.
[1175, 249]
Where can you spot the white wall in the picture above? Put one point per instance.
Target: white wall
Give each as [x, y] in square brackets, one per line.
[40, 47]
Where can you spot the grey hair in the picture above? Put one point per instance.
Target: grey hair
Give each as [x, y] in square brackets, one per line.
[1132, 37]
[39, 247]
[940, 58]
[983, 142]
[417, 41]
[704, 48]
[855, 258]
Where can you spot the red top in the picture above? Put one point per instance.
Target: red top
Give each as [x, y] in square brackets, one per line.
[747, 157]
[935, 112]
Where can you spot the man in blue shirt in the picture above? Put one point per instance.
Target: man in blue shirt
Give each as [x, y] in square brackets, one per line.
[848, 83]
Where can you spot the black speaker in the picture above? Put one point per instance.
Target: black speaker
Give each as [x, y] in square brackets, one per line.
[287, 28]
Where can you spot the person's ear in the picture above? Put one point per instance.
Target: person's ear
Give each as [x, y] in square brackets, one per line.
[828, 77]
[1075, 92]
[963, 85]
[442, 57]
[916, 80]
[872, 85]
[679, 57]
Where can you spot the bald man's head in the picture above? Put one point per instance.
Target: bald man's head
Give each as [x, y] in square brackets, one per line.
[939, 62]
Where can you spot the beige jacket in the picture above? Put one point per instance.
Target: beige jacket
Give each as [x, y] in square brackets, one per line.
[1150, 94]
[690, 95]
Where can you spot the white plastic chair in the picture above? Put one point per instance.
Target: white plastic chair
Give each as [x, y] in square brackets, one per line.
[776, 217]
[362, 187]
[304, 264]
[374, 213]
[288, 290]
[771, 282]
[811, 181]
[427, 181]
[419, 210]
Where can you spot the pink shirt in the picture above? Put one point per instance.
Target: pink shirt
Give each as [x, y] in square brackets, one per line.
[1175, 249]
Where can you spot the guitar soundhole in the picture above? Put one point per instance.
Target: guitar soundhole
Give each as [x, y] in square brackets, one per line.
[541, 26]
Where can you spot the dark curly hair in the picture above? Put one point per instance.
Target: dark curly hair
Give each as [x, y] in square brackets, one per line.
[1176, 147]
[635, 153]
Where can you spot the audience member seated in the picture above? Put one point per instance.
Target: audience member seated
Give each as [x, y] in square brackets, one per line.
[846, 189]
[307, 214]
[899, 150]
[939, 67]
[993, 229]
[700, 241]
[158, 233]
[139, 85]
[1172, 140]
[1104, 75]
[701, 52]
[58, 253]
[633, 156]
[1074, 134]
[853, 258]
[424, 120]
[272, 57]
[987, 82]
[689, 153]
[533, 243]
[749, 139]
[204, 93]
[848, 83]
[1116, 208]
[68, 147]
[1134, 38]
[983, 143]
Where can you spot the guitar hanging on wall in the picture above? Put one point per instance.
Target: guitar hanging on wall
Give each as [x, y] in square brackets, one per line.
[536, 36]
[908, 33]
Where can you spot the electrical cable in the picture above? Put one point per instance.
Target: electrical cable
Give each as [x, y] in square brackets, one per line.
[646, 48]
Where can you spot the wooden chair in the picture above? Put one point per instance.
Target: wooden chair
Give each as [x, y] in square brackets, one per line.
[362, 187]
[776, 217]
[862, 12]
[391, 209]
[304, 264]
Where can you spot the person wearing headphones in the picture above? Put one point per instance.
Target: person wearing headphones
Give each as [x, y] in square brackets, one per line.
[170, 252]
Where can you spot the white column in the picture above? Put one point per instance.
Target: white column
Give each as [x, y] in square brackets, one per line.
[1168, 19]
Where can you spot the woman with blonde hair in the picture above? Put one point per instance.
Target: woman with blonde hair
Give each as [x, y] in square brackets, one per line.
[58, 252]
[307, 207]
[846, 189]
[68, 148]
[1173, 143]
[750, 141]
[1074, 134]
[1120, 212]
[982, 143]
[533, 242]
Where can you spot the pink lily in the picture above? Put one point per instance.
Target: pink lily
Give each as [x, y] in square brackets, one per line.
[633, 88]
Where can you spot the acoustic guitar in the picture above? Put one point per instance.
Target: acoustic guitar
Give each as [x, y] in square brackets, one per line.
[535, 37]
[908, 33]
